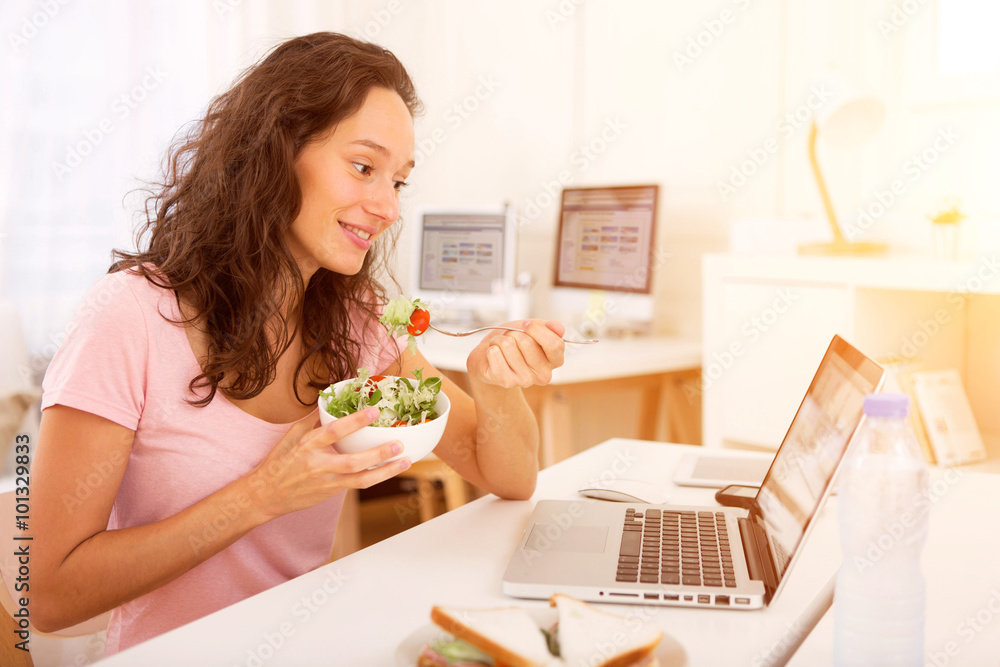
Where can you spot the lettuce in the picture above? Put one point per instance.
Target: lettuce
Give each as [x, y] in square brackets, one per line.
[396, 317]
[456, 650]
[399, 403]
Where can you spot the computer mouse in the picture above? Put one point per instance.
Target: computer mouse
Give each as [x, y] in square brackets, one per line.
[625, 491]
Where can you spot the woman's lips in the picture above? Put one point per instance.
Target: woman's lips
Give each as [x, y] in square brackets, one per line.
[360, 237]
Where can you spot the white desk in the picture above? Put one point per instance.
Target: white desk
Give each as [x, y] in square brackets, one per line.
[657, 366]
[355, 611]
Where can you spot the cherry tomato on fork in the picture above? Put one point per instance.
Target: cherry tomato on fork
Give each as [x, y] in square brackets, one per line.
[419, 321]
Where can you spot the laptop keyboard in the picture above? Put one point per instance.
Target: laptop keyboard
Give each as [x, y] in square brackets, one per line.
[677, 548]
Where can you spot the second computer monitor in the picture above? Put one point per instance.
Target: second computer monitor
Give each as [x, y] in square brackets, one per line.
[605, 239]
[604, 265]
[465, 261]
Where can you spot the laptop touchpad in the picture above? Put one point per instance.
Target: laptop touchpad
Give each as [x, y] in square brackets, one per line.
[577, 539]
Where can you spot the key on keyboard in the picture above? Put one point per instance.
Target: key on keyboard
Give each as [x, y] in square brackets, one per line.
[675, 548]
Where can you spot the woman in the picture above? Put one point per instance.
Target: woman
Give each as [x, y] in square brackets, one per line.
[180, 465]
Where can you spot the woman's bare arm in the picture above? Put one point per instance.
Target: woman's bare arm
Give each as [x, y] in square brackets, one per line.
[81, 569]
[492, 437]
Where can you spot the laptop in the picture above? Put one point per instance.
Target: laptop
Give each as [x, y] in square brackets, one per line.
[703, 556]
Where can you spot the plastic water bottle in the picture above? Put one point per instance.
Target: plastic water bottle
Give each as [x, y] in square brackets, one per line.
[882, 508]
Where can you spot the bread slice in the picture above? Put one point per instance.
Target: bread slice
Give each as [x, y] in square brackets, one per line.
[593, 638]
[508, 634]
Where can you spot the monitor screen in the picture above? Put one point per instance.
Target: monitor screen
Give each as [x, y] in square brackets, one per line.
[462, 251]
[463, 262]
[605, 238]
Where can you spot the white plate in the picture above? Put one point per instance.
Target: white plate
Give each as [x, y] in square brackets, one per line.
[669, 651]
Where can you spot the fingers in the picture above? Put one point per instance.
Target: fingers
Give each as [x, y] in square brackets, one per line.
[516, 359]
[326, 435]
[549, 335]
[349, 464]
[363, 469]
[514, 363]
[358, 464]
[370, 475]
[556, 327]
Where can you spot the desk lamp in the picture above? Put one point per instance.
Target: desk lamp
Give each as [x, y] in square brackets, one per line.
[852, 118]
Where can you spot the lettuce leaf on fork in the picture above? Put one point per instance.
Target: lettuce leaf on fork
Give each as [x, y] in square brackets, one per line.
[396, 317]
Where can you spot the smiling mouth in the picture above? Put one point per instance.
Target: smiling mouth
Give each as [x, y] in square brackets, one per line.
[360, 232]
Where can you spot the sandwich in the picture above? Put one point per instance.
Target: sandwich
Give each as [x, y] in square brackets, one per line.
[510, 637]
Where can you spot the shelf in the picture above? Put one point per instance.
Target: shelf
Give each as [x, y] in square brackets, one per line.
[779, 312]
[901, 272]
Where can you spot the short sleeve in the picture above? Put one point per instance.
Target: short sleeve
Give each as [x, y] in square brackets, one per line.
[101, 365]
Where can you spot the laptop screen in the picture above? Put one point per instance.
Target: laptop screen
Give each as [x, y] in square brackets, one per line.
[806, 463]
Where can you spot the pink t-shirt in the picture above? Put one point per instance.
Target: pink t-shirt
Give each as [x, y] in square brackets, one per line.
[123, 361]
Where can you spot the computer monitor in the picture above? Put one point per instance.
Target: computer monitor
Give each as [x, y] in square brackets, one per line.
[604, 255]
[465, 262]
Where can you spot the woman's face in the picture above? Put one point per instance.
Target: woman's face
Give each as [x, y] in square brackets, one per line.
[350, 180]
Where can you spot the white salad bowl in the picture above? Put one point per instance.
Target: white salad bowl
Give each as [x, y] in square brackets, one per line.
[418, 440]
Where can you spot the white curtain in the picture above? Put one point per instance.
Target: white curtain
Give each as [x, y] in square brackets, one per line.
[92, 95]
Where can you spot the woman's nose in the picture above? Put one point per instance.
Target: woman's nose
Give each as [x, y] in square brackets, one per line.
[384, 202]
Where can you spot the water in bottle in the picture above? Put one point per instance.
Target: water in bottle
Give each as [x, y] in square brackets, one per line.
[882, 506]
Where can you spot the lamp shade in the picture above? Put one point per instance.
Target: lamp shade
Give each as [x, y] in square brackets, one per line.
[853, 115]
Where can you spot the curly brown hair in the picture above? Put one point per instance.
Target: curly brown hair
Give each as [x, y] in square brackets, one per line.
[216, 225]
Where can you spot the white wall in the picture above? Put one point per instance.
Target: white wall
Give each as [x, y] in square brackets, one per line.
[689, 92]
[684, 93]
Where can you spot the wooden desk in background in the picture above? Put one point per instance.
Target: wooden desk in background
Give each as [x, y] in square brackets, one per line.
[657, 366]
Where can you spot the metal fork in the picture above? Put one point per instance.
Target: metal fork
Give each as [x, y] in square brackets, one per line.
[460, 334]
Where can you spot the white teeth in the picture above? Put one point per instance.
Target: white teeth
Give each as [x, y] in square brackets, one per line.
[360, 232]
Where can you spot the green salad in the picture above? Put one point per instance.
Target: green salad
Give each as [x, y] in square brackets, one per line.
[406, 315]
[398, 401]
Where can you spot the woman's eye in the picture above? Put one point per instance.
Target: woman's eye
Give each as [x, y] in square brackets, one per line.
[363, 169]
[399, 185]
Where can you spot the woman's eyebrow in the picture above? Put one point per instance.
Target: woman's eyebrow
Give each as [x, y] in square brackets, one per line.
[380, 149]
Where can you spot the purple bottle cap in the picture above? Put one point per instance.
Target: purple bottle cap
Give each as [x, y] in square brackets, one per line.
[887, 405]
